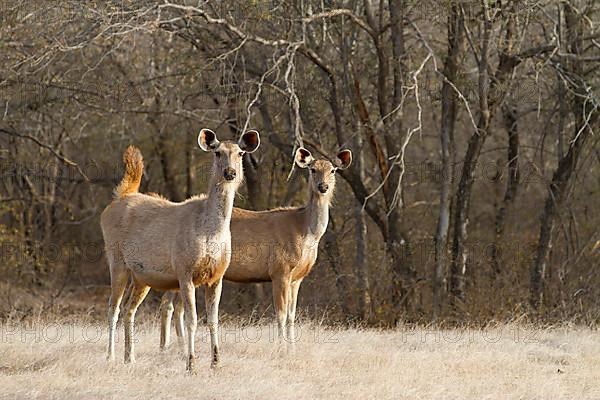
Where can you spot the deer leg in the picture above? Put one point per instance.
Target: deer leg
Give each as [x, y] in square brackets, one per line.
[291, 311]
[212, 296]
[166, 314]
[281, 288]
[118, 283]
[137, 297]
[179, 328]
[187, 292]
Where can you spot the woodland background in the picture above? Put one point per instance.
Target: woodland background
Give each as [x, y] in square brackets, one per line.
[475, 186]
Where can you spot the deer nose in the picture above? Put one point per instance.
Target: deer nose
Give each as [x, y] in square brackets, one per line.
[229, 174]
[323, 187]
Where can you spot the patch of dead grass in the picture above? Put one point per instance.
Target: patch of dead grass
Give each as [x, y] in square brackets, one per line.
[67, 360]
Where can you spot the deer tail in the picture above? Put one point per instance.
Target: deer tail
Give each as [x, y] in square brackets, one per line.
[134, 168]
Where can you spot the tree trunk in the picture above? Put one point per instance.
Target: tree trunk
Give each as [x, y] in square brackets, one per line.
[361, 264]
[556, 197]
[510, 124]
[333, 257]
[455, 40]
[166, 167]
[397, 241]
[461, 215]
[585, 118]
[256, 194]
[162, 143]
[254, 187]
[490, 95]
[190, 176]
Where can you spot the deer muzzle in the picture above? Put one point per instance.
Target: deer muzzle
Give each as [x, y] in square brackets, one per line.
[229, 174]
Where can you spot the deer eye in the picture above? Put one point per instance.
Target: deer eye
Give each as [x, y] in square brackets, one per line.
[333, 171]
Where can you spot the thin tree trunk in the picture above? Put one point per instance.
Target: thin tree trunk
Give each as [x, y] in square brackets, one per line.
[398, 245]
[162, 143]
[254, 187]
[190, 172]
[512, 184]
[461, 220]
[455, 40]
[166, 167]
[361, 264]
[49, 205]
[463, 194]
[561, 89]
[333, 256]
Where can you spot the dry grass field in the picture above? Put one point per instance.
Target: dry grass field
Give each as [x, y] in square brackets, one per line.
[67, 360]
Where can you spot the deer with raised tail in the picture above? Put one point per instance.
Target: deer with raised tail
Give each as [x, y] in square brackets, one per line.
[169, 246]
[277, 245]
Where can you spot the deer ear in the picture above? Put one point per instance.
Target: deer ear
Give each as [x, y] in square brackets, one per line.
[207, 140]
[343, 159]
[249, 141]
[303, 158]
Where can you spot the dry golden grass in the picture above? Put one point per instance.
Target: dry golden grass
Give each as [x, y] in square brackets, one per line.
[47, 360]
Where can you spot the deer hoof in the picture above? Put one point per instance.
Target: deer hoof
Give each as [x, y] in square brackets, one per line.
[191, 365]
[215, 358]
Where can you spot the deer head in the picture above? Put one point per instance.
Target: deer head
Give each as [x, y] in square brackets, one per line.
[227, 165]
[322, 172]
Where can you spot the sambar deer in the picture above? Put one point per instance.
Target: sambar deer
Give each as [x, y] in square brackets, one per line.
[168, 246]
[277, 245]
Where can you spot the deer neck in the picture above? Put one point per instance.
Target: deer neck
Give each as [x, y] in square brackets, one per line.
[317, 215]
[219, 206]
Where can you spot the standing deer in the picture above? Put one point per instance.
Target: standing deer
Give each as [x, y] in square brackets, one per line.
[277, 245]
[165, 245]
